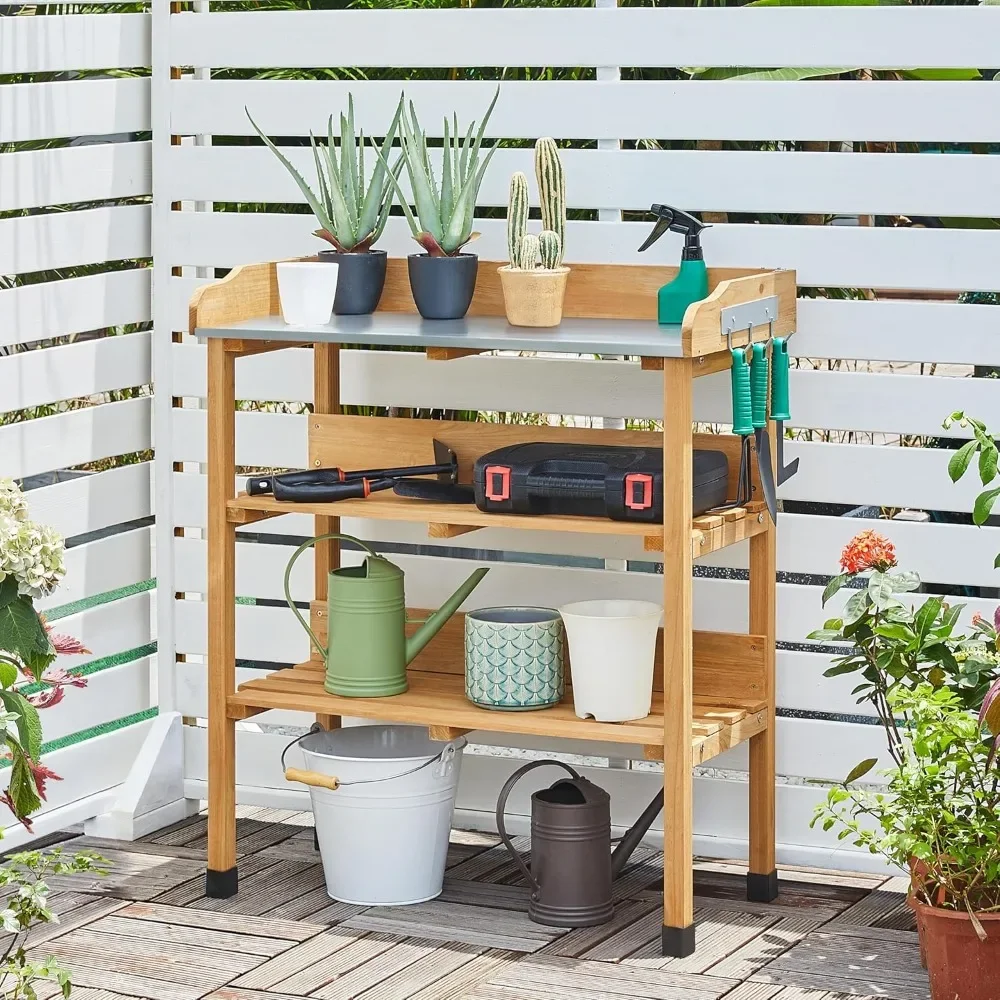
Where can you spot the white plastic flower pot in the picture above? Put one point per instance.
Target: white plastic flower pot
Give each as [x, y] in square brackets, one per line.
[612, 646]
[306, 290]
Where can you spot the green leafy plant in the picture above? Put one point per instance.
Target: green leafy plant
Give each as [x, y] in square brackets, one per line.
[983, 448]
[941, 803]
[351, 214]
[31, 566]
[897, 646]
[23, 880]
[444, 212]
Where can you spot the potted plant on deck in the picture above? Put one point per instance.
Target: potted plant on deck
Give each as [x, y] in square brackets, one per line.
[443, 278]
[941, 807]
[534, 280]
[352, 210]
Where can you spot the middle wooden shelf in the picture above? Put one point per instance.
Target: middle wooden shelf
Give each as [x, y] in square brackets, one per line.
[709, 532]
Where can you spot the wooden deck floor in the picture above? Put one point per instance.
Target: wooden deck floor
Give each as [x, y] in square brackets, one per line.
[147, 930]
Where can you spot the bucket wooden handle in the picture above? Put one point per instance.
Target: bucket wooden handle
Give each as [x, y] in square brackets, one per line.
[313, 778]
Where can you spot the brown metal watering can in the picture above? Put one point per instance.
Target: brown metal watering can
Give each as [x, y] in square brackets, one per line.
[572, 865]
[367, 647]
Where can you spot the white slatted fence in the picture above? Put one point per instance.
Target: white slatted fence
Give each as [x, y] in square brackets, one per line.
[75, 345]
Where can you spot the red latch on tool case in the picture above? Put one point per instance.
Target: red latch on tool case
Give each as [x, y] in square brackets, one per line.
[641, 498]
[497, 482]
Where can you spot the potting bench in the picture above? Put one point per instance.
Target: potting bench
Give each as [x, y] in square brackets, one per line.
[713, 690]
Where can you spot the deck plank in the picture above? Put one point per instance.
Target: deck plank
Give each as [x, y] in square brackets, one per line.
[236, 923]
[458, 923]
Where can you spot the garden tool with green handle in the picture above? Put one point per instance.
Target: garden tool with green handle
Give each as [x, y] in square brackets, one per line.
[779, 404]
[758, 406]
[742, 425]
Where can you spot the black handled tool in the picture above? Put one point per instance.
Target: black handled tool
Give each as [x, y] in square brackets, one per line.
[329, 485]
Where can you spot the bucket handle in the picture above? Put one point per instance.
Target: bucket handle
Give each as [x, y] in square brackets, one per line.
[288, 576]
[502, 805]
[312, 778]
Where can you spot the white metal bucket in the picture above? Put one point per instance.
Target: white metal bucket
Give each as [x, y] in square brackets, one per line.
[612, 647]
[383, 834]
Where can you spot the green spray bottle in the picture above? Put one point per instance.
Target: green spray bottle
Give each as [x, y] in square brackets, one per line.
[691, 283]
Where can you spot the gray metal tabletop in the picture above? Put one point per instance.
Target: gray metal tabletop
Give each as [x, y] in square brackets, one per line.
[482, 333]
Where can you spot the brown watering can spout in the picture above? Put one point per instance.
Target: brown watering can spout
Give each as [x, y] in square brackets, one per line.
[633, 837]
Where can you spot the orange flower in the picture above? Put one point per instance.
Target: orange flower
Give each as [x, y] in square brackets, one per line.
[868, 550]
[976, 618]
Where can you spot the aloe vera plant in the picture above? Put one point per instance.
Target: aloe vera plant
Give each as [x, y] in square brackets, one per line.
[351, 215]
[442, 222]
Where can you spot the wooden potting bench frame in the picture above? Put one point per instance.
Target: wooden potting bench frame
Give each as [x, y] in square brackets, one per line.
[713, 690]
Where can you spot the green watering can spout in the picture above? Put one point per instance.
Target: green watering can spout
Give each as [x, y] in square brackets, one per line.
[432, 626]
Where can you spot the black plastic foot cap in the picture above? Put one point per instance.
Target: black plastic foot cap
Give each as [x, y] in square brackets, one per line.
[762, 888]
[221, 885]
[678, 942]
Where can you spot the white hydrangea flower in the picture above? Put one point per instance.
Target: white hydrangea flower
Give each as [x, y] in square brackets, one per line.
[12, 502]
[33, 554]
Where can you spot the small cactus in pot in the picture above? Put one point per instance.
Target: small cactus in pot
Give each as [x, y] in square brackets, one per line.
[534, 282]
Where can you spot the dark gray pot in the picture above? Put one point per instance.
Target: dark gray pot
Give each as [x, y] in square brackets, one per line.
[359, 281]
[443, 286]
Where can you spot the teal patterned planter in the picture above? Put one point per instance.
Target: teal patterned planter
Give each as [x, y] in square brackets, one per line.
[514, 658]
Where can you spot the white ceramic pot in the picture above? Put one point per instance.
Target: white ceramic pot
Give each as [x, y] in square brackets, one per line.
[612, 646]
[306, 289]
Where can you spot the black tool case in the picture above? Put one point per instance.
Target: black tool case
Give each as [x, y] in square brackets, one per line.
[624, 484]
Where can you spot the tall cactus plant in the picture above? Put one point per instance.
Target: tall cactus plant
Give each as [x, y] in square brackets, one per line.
[517, 216]
[551, 190]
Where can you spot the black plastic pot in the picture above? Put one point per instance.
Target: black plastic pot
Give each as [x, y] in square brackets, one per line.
[443, 286]
[359, 281]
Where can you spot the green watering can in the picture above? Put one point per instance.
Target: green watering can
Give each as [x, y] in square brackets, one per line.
[368, 649]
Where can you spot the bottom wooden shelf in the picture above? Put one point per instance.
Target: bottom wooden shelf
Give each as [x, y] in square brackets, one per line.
[438, 701]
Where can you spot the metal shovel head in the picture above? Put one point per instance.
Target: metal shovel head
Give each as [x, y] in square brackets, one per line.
[434, 489]
[785, 472]
[442, 455]
[764, 470]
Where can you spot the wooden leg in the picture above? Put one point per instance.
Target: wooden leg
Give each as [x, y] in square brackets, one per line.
[762, 878]
[221, 877]
[678, 679]
[326, 399]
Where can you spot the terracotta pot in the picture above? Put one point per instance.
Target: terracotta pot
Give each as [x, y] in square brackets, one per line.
[961, 967]
[533, 298]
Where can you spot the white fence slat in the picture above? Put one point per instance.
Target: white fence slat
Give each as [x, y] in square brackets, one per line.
[839, 400]
[557, 37]
[104, 565]
[860, 474]
[852, 256]
[74, 42]
[87, 368]
[110, 694]
[87, 769]
[897, 330]
[110, 628]
[256, 442]
[75, 437]
[66, 239]
[74, 305]
[630, 179]
[94, 500]
[35, 178]
[69, 108]
[881, 110]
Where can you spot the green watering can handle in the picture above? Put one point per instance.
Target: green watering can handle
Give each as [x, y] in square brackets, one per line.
[288, 576]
